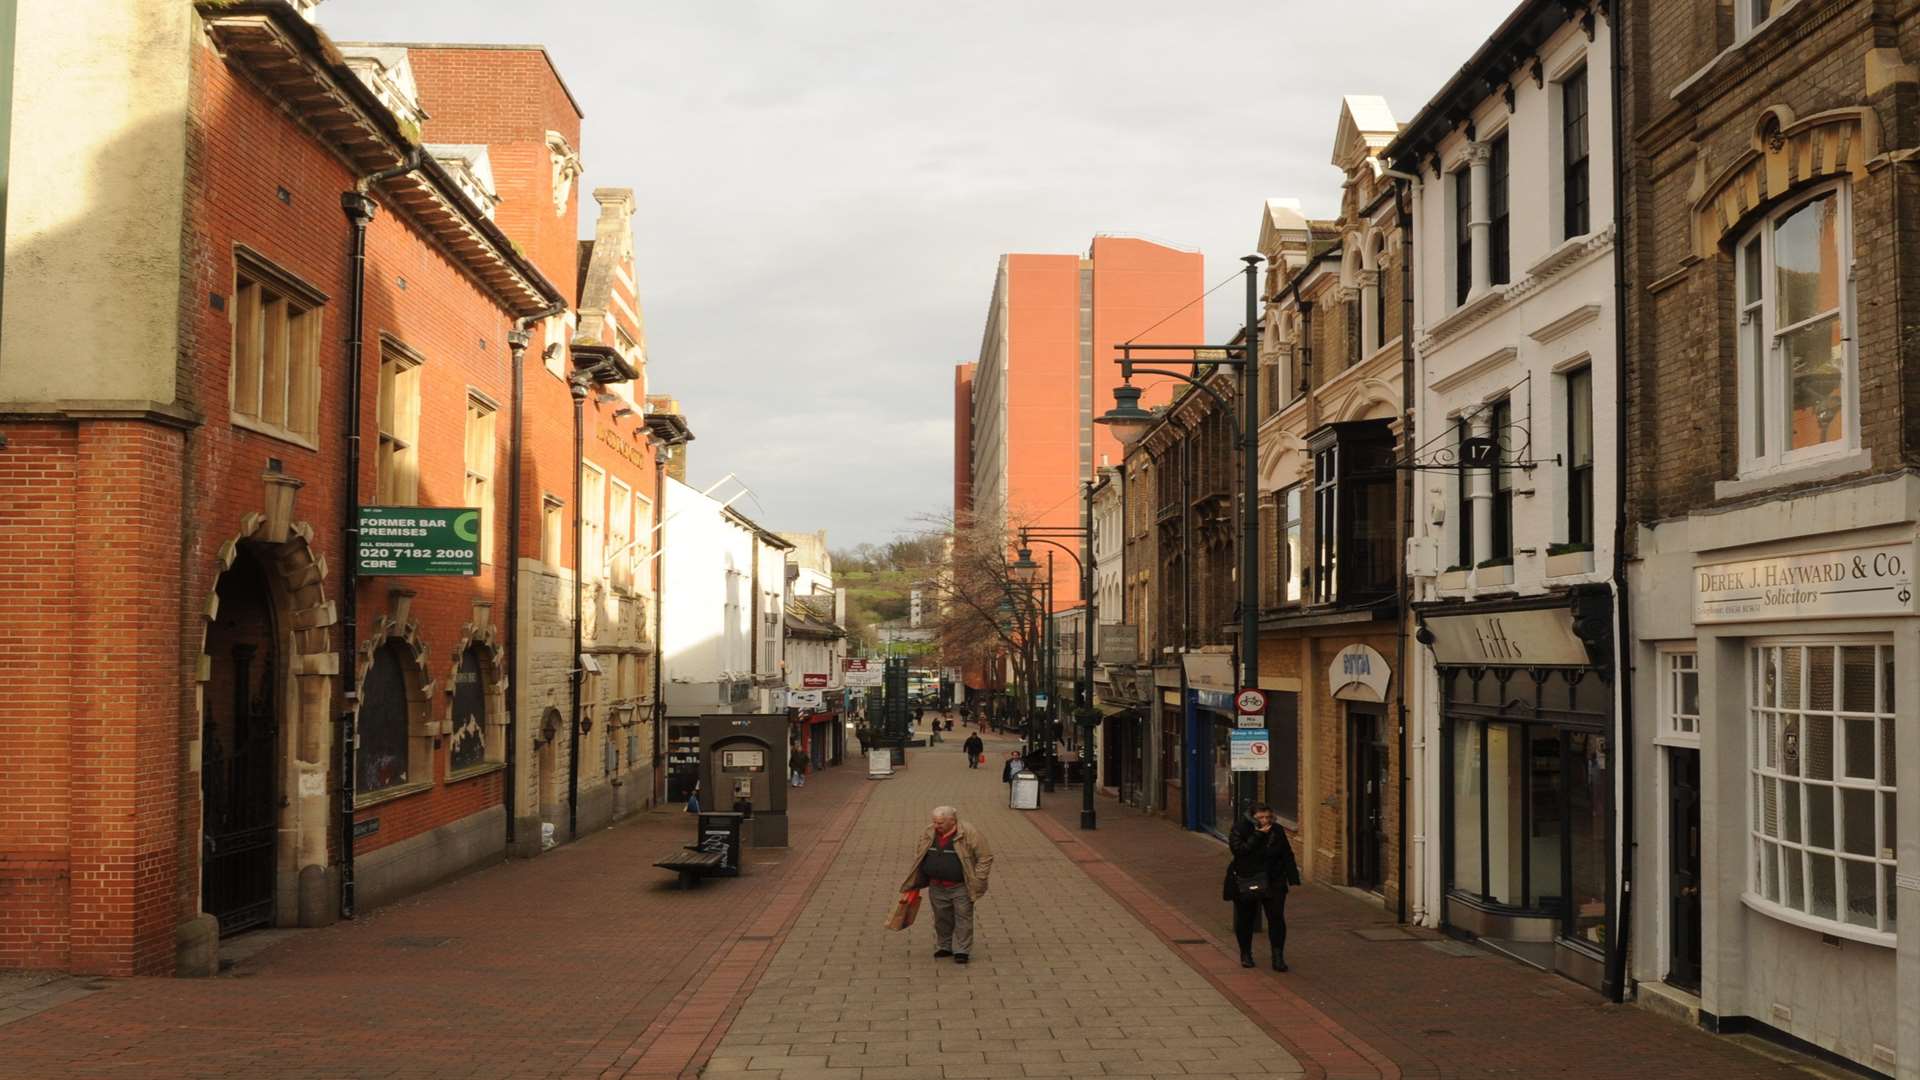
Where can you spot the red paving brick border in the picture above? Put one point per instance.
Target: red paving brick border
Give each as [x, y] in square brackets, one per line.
[578, 963]
[1325, 1049]
[682, 1038]
[1430, 1013]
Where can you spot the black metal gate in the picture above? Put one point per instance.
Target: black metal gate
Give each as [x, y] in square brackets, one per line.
[240, 796]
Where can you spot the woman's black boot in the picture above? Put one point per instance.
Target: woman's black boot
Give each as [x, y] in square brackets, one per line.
[1279, 961]
[1246, 956]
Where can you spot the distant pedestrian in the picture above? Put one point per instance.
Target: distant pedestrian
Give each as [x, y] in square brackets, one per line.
[974, 748]
[693, 798]
[1257, 879]
[953, 864]
[797, 762]
[1014, 767]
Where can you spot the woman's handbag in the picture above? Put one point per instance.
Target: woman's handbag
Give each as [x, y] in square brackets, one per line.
[904, 909]
[1254, 886]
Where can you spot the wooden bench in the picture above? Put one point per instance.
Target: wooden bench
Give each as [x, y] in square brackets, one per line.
[692, 865]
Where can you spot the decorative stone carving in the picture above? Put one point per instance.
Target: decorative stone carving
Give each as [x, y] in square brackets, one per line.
[566, 169]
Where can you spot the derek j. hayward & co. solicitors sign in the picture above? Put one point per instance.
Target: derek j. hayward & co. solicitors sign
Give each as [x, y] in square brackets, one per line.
[1855, 581]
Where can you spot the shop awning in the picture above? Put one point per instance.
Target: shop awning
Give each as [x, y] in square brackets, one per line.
[1529, 637]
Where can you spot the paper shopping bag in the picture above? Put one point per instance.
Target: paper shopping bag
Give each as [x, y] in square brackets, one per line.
[904, 909]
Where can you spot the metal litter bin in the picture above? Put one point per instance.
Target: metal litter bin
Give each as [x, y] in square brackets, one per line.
[722, 833]
[1024, 792]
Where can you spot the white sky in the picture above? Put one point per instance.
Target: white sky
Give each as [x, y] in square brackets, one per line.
[824, 186]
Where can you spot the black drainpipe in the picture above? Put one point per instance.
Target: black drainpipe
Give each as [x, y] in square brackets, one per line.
[659, 590]
[1616, 975]
[580, 387]
[517, 340]
[1403, 213]
[359, 208]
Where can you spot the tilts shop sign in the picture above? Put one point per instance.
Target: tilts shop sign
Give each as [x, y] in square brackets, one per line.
[1542, 637]
[1855, 581]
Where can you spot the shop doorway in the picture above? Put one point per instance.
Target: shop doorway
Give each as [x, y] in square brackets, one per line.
[1366, 795]
[240, 747]
[1172, 771]
[1683, 867]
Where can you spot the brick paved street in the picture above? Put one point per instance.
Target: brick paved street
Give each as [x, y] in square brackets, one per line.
[1064, 981]
[1428, 1006]
[574, 964]
[1101, 954]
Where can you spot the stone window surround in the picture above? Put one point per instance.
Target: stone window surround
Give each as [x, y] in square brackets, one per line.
[1780, 465]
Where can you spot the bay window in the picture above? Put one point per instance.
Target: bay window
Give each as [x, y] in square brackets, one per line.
[1822, 787]
[1354, 536]
[1797, 361]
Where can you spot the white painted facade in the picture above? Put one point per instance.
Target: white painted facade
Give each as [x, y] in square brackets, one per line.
[1518, 346]
[1109, 543]
[722, 619]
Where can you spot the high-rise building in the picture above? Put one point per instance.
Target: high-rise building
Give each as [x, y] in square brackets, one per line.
[1047, 368]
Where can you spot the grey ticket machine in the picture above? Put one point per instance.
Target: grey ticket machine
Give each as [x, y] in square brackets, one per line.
[744, 769]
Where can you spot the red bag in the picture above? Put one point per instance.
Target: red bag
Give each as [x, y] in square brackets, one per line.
[983, 759]
[904, 910]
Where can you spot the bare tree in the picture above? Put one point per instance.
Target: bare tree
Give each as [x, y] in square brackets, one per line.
[981, 610]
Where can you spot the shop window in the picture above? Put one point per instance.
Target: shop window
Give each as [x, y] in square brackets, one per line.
[480, 459]
[398, 463]
[1579, 458]
[274, 381]
[1797, 359]
[1499, 211]
[1290, 533]
[1528, 793]
[387, 751]
[1354, 529]
[1680, 697]
[1822, 800]
[1576, 213]
[1500, 542]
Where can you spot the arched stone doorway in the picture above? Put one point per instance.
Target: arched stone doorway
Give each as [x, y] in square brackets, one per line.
[241, 718]
[272, 702]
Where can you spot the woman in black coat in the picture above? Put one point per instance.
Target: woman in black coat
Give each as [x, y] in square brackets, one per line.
[1257, 880]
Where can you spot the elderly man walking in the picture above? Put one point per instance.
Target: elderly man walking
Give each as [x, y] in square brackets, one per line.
[953, 864]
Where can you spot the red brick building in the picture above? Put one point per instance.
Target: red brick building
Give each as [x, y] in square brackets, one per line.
[586, 738]
[188, 780]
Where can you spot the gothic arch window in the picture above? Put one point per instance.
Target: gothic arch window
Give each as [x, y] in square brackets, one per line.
[384, 759]
[469, 744]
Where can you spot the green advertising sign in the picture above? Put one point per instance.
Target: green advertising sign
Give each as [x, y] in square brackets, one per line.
[419, 540]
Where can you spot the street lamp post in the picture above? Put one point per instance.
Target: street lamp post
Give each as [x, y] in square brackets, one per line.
[1083, 696]
[1129, 423]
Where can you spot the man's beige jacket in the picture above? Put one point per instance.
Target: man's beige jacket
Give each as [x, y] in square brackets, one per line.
[976, 858]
